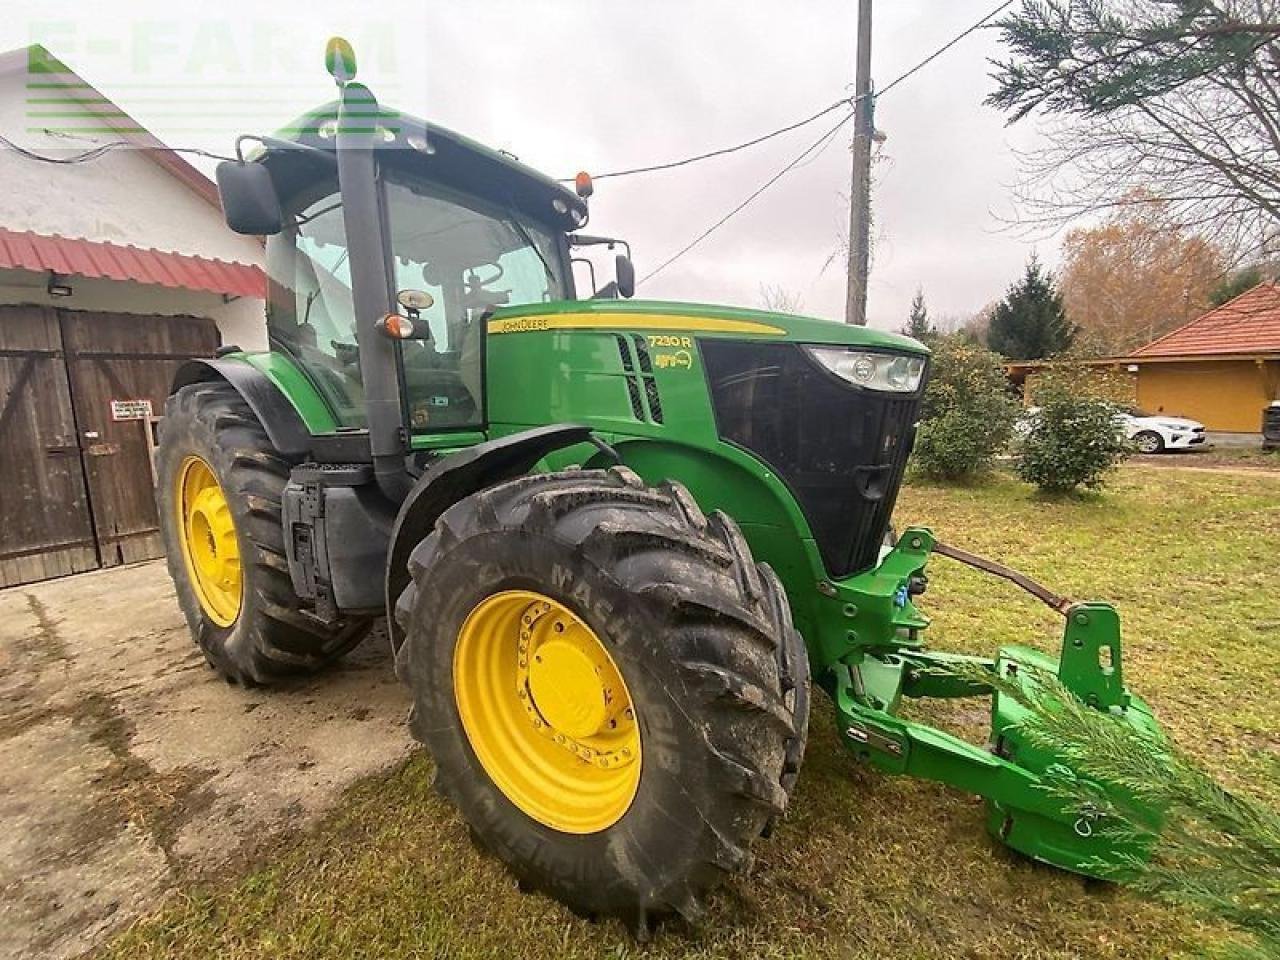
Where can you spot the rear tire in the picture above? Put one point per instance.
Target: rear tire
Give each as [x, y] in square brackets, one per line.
[269, 634]
[702, 638]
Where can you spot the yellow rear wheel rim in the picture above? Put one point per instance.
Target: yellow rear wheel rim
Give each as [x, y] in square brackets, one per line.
[210, 548]
[547, 712]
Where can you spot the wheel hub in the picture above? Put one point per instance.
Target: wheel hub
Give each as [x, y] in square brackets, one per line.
[209, 545]
[566, 688]
[572, 692]
[548, 715]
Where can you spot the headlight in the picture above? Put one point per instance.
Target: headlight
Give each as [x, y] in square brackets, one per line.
[894, 372]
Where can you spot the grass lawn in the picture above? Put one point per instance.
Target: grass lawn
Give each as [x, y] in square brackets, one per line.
[864, 865]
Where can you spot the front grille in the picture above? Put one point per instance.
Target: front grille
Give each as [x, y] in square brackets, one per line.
[840, 449]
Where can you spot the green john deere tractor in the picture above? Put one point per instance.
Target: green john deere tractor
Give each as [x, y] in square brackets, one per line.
[614, 540]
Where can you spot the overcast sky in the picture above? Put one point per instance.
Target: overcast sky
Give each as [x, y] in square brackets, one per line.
[603, 84]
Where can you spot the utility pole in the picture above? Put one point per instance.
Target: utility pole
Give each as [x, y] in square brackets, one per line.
[855, 308]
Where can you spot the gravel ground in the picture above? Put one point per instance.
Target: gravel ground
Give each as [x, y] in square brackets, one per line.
[128, 766]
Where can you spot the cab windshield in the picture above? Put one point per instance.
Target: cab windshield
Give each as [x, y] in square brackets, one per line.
[468, 255]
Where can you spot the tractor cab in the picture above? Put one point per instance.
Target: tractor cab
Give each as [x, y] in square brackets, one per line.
[466, 230]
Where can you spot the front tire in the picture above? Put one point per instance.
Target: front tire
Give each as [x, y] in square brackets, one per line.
[710, 692]
[219, 488]
[1148, 441]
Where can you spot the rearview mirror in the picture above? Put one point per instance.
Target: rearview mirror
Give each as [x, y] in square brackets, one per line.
[625, 271]
[249, 202]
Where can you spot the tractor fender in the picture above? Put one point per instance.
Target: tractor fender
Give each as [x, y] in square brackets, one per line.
[285, 428]
[458, 475]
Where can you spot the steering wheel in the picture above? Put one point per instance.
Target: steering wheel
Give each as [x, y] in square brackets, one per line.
[473, 280]
[478, 295]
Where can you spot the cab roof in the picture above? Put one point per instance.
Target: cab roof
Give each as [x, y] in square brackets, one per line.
[436, 154]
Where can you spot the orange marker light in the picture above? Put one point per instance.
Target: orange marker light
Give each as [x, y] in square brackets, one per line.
[394, 325]
[582, 184]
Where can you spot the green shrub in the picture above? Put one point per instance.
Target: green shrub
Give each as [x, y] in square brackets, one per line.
[1075, 440]
[968, 413]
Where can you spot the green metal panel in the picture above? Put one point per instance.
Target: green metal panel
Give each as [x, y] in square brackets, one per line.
[692, 317]
[294, 384]
[579, 375]
[447, 442]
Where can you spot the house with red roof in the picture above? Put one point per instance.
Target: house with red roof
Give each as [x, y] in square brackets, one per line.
[98, 208]
[115, 266]
[1223, 368]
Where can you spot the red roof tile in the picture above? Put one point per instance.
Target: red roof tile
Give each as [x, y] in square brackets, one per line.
[1249, 324]
[112, 261]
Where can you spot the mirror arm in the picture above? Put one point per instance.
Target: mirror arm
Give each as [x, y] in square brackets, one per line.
[589, 240]
[591, 268]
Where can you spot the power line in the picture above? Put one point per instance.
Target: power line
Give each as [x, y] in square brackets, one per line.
[819, 144]
[814, 146]
[942, 49]
[95, 152]
[849, 101]
[87, 155]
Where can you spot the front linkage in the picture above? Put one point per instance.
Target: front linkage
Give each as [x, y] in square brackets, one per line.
[884, 660]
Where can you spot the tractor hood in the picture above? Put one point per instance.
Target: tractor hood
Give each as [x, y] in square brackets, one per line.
[657, 316]
[724, 384]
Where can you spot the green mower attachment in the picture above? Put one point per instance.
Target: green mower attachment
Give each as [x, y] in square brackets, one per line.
[870, 680]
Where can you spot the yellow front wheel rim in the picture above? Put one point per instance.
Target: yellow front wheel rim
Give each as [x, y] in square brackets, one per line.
[547, 712]
[210, 548]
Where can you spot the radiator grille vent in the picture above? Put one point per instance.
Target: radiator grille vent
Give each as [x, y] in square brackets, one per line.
[646, 405]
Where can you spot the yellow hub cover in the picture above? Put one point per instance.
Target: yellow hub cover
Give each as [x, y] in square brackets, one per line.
[547, 712]
[210, 549]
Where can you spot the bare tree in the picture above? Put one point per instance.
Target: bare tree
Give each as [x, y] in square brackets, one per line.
[779, 299]
[1169, 102]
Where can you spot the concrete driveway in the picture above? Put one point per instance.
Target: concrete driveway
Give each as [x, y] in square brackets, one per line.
[125, 762]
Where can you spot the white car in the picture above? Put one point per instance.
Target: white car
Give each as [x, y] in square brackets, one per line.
[1149, 433]
[1156, 433]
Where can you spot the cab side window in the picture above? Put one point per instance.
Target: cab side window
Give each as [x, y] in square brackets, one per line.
[311, 315]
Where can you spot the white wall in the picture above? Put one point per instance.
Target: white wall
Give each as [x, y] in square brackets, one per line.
[241, 322]
[121, 197]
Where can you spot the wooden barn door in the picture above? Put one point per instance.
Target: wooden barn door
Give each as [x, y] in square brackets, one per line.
[116, 363]
[46, 528]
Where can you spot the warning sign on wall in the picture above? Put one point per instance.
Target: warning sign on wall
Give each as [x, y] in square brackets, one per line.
[130, 409]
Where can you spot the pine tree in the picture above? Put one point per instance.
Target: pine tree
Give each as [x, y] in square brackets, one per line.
[1030, 323]
[1209, 849]
[918, 325]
